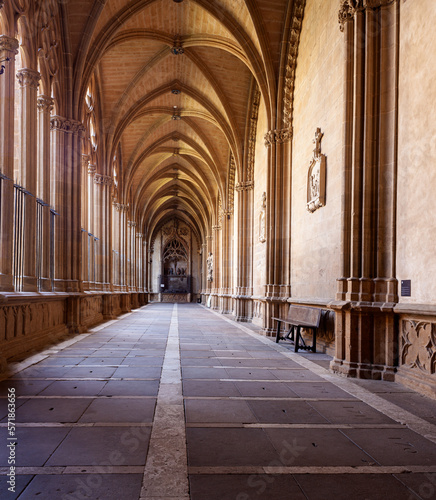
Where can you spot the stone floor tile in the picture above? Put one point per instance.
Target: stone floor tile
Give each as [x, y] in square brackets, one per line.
[218, 411]
[319, 390]
[350, 412]
[73, 388]
[285, 412]
[84, 486]
[394, 446]
[209, 388]
[130, 388]
[204, 373]
[299, 374]
[229, 447]
[201, 362]
[93, 446]
[35, 445]
[244, 487]
[355, 486]
[140, 372]
[120, 410]
[60, 361]
[52, 410]
[21, 481]
[250, 374]
[86, 372]
[27, 387]
[316, 447]
[97, 361]
[423, 485]
[265, 389]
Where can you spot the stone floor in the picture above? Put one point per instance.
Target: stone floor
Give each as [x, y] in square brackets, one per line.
[177, 402]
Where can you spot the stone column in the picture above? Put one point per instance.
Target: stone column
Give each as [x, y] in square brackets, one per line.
[90, 226]
[278, 224]
[139, 262]
[367, 289]
[45, 105]
[209, 250]
[8, 49]
[102, 184]
[67, 182]
[131, 252]
[216, 266]
[29, 80]
[244, 281]
[226, 263]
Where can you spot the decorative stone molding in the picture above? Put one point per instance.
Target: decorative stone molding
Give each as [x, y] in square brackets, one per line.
[28, 78]
[216, 228]
[245, 186]
[106, 180]
[210, 238]
[44, 103]
[131, 223]
[139, 235]
[316, 175]
[278, 136]
[418, 345]
[8, 44]
[254, 114]
[231, 184]
[294, 41]
[262, 219]
[91, 169]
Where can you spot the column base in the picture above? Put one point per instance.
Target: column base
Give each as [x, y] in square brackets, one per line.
[363, 370]
[6, 283]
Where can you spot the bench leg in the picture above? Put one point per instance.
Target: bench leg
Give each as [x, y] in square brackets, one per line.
[290, 334]
[279, 323]
[314, 340]
[297, 340]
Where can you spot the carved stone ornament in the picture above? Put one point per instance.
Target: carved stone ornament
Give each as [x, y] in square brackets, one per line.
[106, 180]
[66, 125]
[245, 186]
[210, 267]
[316, 175]
[262, 220]
[278, 136]
[418, 346]
[348, 9]
[28, 78]
[8, 44]
[44, 103]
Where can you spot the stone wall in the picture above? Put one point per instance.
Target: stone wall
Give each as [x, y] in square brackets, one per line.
[318, 102]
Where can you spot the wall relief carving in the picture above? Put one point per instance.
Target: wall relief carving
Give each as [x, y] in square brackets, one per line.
[262, 219]
[316, 176]
[210, 267]
[418, 345]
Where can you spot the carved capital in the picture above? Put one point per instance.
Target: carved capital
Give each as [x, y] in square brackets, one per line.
[278, 136]
[216, 228]
[349, 8]
[131, 223]
[105, 180]
[245, 186]
[44, 103]
[28, 78]
[139, 235]
[8, 44]
[66, 125]
[120, 207]
[91, 169]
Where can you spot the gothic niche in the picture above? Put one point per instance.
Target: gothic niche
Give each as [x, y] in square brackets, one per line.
[316, 188]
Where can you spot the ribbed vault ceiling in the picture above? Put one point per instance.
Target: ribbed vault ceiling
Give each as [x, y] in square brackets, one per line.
[175, 119]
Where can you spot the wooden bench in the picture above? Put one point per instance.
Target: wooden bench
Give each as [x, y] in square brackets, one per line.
[300, 317]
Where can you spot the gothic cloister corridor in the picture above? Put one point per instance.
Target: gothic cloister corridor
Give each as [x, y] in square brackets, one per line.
[174, 401]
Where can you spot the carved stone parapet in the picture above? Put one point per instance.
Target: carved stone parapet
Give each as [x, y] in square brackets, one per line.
[106, 180]
[9, 44]
[245, 186]
[44, 103]
[28, 78]
[278, 136]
